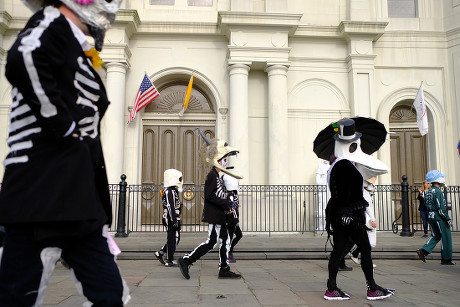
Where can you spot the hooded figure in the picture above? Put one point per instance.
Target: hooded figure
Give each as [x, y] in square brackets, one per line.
[217, 201]
[438, 218]
[55, 201]
[345, 211]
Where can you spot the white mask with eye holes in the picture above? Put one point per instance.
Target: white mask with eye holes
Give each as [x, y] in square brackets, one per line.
[223, 162]
[173, 178]
[367, 165]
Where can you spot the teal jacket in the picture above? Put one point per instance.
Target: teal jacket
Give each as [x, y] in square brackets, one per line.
[436, 204]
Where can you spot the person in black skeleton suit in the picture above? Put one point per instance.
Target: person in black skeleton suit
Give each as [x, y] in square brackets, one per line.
[345, 210]
[216, 204]
[172, 208]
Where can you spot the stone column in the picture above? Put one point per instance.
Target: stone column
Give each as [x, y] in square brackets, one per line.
[238, 118]
[114, 122]
[278, 168]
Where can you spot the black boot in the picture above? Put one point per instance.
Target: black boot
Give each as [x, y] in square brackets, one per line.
[226, 273]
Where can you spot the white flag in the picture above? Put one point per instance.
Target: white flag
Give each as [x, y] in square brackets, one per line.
[420, 108]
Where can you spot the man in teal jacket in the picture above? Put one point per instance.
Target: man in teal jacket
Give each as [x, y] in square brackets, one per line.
[439, 220]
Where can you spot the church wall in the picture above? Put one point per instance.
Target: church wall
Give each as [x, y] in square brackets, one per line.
[319, 88]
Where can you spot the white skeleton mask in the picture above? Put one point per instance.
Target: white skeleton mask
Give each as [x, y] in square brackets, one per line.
[173, 178]
[97, 15]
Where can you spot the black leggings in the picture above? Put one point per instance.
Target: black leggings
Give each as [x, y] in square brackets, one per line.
[341, 238]
[234, 229]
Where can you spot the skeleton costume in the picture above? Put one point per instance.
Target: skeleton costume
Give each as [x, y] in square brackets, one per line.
[216, 204]
[345, 217]
[172, 208]
[55, 200]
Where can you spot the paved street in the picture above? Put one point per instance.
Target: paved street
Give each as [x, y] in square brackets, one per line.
[272, 283]
[277, 282]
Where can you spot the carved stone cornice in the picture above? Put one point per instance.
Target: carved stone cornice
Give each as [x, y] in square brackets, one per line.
[129, 20]
[287, 22]
[367, 30]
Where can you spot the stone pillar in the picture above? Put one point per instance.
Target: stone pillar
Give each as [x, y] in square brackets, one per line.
[278, 168]
[238, 118]
[360, 36]
[114, 122]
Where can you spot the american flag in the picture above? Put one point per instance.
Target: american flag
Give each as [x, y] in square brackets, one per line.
[146, 94]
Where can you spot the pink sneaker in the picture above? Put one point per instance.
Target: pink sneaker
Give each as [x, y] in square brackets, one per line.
[336, 295]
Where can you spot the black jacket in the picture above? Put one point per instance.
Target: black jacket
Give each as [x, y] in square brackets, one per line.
[51, 176]
[347, 200]
[216, 202]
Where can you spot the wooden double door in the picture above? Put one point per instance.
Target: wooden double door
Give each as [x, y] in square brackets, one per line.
[175, 147]
[408, 157]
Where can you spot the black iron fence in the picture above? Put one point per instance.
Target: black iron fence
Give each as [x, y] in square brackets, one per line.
[267, 208]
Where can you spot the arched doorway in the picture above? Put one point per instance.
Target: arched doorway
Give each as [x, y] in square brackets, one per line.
[408, 147]
[169, 141]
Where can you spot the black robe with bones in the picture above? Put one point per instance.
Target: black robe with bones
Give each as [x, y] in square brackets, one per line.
[51, 176]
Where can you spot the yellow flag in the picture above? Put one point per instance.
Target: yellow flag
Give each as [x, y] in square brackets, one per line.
[187, 96]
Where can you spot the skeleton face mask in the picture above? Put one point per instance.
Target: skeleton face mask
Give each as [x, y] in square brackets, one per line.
[173, 178]
[218, 152]
[223, 162]
[97, 15]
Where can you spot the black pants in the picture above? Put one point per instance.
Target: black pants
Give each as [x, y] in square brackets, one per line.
[341, 239]
[27, 265]
[217, 234]
[172, 240]
[348, 246]
[233, 230]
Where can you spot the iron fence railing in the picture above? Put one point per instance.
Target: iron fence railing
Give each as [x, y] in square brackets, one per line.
[271, 208]
[268, 208]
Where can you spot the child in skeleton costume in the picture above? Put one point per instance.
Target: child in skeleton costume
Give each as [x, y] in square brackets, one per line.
[232, 186]
[55, 201]
[345, 210]
[172, 208]
[438, 218]
[216, 204]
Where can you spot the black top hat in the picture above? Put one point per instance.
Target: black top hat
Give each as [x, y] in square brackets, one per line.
[346, 131]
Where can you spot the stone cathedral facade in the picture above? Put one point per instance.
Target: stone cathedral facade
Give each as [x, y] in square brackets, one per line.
[268, 76]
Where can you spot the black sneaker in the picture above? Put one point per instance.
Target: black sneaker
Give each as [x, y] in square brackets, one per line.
[379, 293]
[345, 268]
[226, 273]
[447, 262]
[336, 295]
[159, 256]
[421, 255]
[183, 267]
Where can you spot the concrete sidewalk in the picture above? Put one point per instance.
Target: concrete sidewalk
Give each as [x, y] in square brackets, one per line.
[141, 246]
[274, 274]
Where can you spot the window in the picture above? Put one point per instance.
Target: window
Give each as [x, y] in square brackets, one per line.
[200, 2]
[402, 8]
[162, 2]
